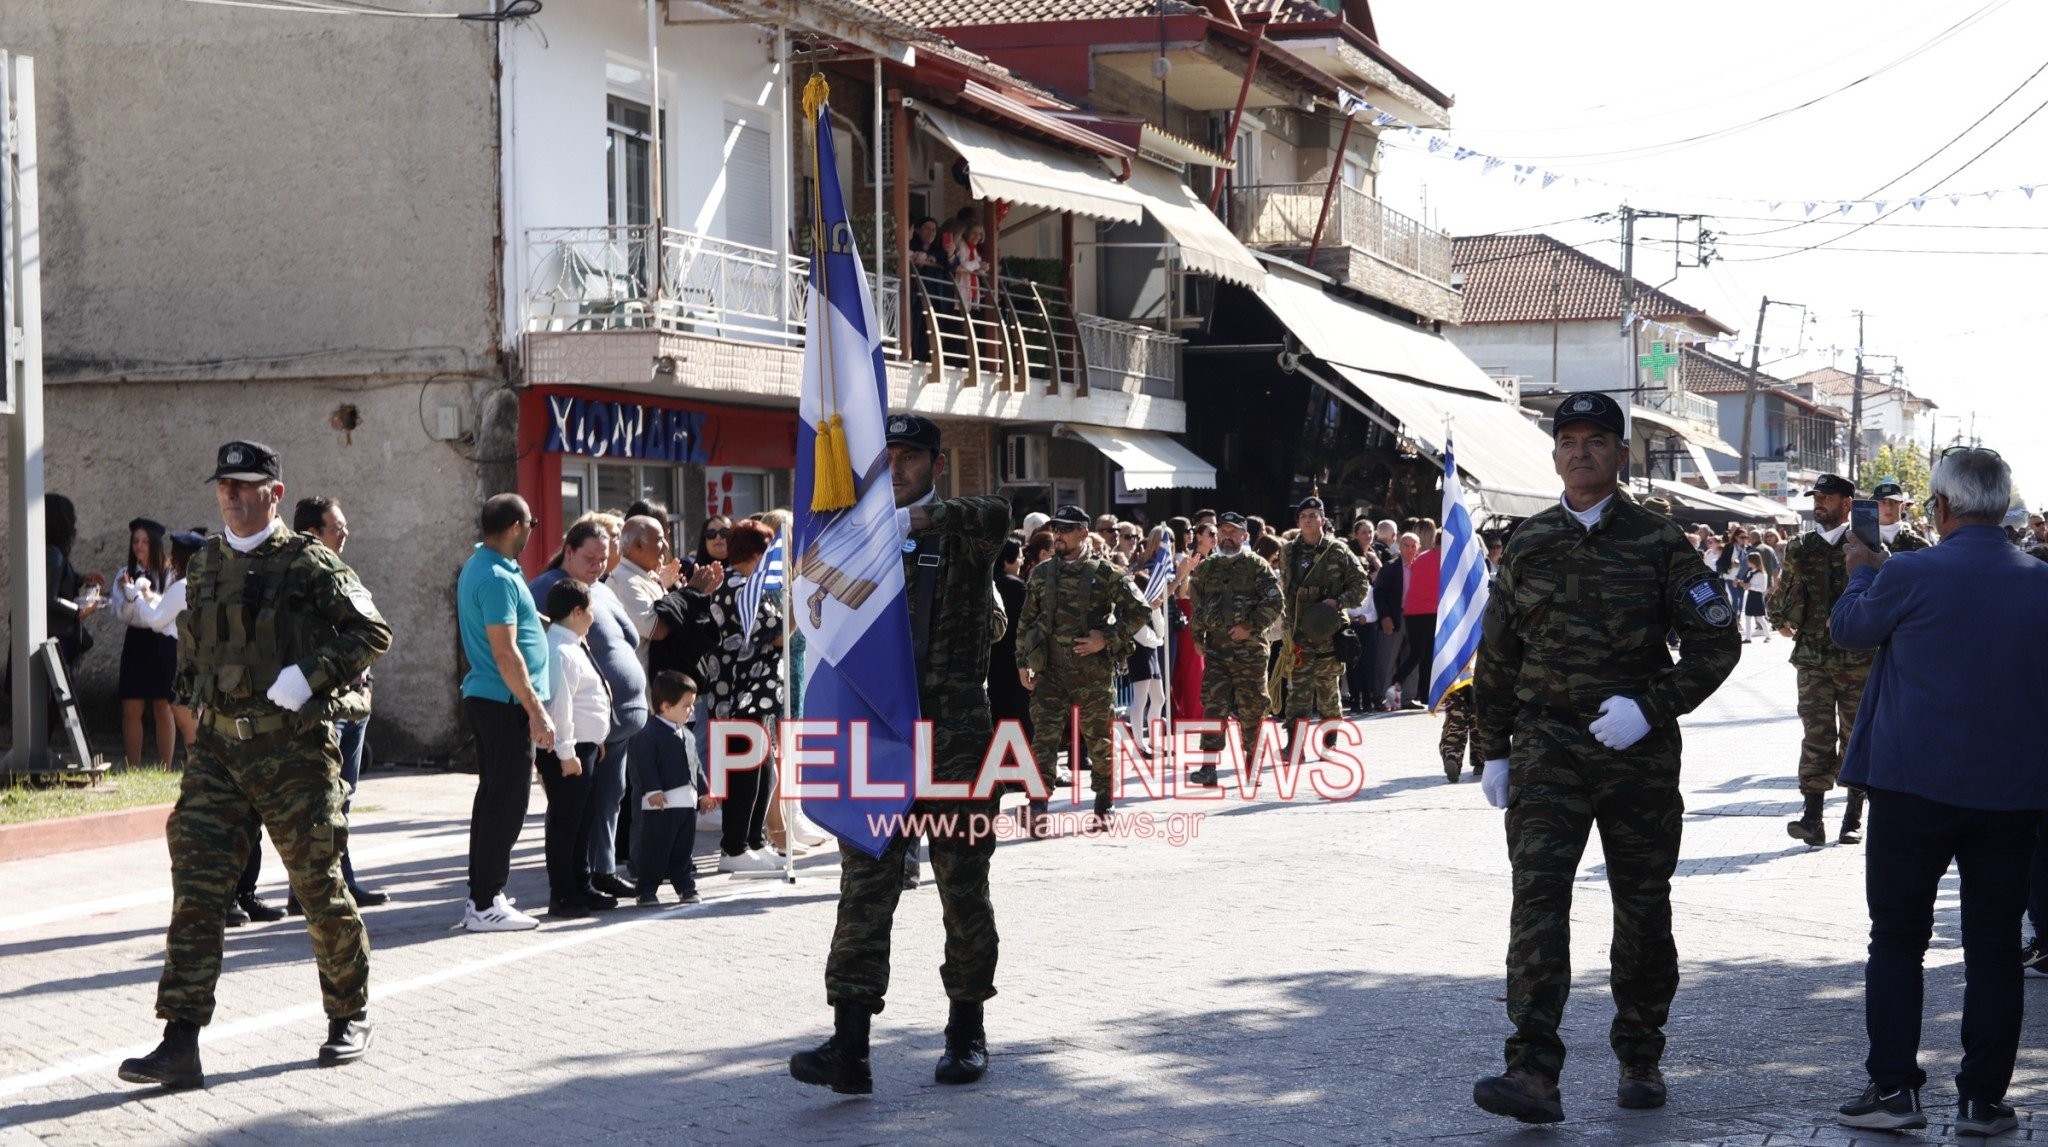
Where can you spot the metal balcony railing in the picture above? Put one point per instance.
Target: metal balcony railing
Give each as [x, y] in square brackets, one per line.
[1134, 358]
[1694, 408]
[595, 278]
[1284, 215]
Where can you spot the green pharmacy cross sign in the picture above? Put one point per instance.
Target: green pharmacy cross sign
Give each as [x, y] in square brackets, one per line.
[1657, 361]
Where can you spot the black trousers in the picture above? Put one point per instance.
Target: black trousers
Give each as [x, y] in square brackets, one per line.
[1906, 853]
[1421, 631]
[2037, 895]
[504, 783]
[668, 837]
[747, 798]
[568, 823]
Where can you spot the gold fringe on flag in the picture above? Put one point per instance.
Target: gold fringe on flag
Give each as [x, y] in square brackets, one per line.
[833, 485]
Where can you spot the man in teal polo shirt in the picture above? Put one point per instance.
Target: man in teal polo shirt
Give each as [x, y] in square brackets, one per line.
[505, 697]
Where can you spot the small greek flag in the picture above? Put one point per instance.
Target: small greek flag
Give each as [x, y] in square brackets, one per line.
[765, 580]
[1160, 580]
[1461, 590]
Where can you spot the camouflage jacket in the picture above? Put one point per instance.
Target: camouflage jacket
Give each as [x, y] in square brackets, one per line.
[1238, 589]
[965, 534]
[290, 601]
[1577, 616]
[1063, 601]
[1907, 541]
[1309, 574]
[1810, 581]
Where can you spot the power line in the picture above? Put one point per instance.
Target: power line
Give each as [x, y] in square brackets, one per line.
[1646, 150]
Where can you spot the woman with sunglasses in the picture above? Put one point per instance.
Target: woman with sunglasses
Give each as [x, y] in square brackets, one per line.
[711, 540]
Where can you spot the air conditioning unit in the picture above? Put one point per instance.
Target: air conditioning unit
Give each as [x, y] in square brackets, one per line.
[1026, 458]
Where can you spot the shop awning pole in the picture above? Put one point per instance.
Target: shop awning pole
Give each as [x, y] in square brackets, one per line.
[1244, 91]
[654, 213]
[1315, 241]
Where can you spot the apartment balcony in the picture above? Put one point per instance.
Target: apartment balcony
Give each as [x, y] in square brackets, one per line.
[1695, 409]
[730, 325]
[1365, 244]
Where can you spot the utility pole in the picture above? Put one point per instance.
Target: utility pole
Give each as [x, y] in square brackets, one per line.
[1628, 300]
[1856, 407]
[21, 366]
[1756, 356]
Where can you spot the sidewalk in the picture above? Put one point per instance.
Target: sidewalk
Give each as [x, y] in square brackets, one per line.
[1299, 972]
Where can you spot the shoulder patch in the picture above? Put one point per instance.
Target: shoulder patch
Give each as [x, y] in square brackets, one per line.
[359, 597]
[1708, 603]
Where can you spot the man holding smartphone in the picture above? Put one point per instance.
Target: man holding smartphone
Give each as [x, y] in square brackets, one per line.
[1830, 678]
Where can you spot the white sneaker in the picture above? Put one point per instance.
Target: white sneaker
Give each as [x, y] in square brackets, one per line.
[499, 917]
[756, 863]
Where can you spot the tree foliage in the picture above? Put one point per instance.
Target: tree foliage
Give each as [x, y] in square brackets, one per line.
[1901, 464]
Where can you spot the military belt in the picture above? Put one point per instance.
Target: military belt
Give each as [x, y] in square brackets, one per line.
[246, 728]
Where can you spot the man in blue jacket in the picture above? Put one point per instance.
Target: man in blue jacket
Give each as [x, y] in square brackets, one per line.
[1957, 630]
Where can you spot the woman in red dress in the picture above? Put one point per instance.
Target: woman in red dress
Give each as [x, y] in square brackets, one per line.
[1187, 660]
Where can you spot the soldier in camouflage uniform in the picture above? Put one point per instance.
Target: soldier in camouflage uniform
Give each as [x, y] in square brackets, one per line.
[1080, 622]
[1578, 703]
[947, 563]
[1460, 717]
[1810, 580]
[274, 631]
[1316, 572]
[1899, 538]
[1236, 599]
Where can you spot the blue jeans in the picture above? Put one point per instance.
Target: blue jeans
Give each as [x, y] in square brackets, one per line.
[607, 789]
[350, 736]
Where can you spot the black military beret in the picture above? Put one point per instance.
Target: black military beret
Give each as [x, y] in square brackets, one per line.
[913, 430]
[1593, 407]
[1833, 484]
[1310, 503]
[1070, 516]
[248, 462]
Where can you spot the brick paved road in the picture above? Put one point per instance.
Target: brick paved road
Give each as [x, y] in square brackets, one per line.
[1301, 973]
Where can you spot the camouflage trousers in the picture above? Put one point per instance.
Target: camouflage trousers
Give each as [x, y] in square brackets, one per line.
[1053, 700]
[1562, 785]
[1313, 684]
[1459, 719]
[1234, 686]
[290, 783]
[857, 971]
[1828, 700]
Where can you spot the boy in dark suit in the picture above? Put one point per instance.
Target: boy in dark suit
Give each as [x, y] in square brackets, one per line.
[663, 757]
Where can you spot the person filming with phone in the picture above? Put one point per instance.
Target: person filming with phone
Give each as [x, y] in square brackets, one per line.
[1955, 630]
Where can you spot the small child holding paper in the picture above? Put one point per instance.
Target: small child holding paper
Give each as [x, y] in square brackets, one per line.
[663, 757]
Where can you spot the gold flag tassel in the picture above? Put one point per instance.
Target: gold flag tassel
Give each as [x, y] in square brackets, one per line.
[833, 486]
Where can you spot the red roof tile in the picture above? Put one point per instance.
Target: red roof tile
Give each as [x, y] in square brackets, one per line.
[1706, 373]
[969, 13]
[1535, 278]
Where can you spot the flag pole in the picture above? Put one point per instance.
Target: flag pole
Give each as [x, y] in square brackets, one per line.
[790, 810]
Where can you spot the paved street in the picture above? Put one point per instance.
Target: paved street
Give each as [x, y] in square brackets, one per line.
[1300, 972]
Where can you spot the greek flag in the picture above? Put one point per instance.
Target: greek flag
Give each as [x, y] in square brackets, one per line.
[764, 581]
[847, 592]
[1160, 580]
[1461, 591]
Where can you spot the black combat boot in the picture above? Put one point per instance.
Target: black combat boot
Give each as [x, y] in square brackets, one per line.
[1808, 827]
[1852, 820]
[1204, 776]
[966, 1056]
[840, 1063]
[1641, 1085]
[260, 910]
[1104, 805]
[1038, 819]
[347, 1040]
[175, 1062]
[1521, 1093]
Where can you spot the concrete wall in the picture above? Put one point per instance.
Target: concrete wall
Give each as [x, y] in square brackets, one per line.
[250, 219]
[1589, 354]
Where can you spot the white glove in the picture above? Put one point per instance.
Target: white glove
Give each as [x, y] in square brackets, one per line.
[903, 523]
[1494, 783]
[1621, 724]
[290, 691]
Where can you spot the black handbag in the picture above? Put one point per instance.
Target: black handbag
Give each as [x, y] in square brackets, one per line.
[1347, 644]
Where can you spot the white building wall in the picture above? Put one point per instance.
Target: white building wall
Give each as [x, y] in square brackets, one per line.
[1588, 356]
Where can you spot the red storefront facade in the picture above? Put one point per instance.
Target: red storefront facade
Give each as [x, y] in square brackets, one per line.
[586, 448]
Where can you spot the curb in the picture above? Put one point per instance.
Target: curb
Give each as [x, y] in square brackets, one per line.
[72, 833]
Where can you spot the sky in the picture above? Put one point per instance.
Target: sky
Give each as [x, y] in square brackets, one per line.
[1698, 109]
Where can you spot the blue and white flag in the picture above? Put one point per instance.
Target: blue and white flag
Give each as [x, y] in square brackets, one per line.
[1461, 590]
[1160, 579]
[847, 591]
[766, 580]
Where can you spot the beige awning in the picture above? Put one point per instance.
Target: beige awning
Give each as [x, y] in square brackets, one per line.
[1505, 455]
[1206, 245]
[1149, 460]
[1673, 424]
[1346, 334]
[1018, 171]
[1709, 504]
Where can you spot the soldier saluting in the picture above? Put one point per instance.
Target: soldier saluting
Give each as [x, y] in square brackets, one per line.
[1080, 621]
[1236, 599]
[1578, 704]
[275, 629]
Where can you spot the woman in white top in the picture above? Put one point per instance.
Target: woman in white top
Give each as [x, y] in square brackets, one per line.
[157, 609]
[148, 657]
[580, 704]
